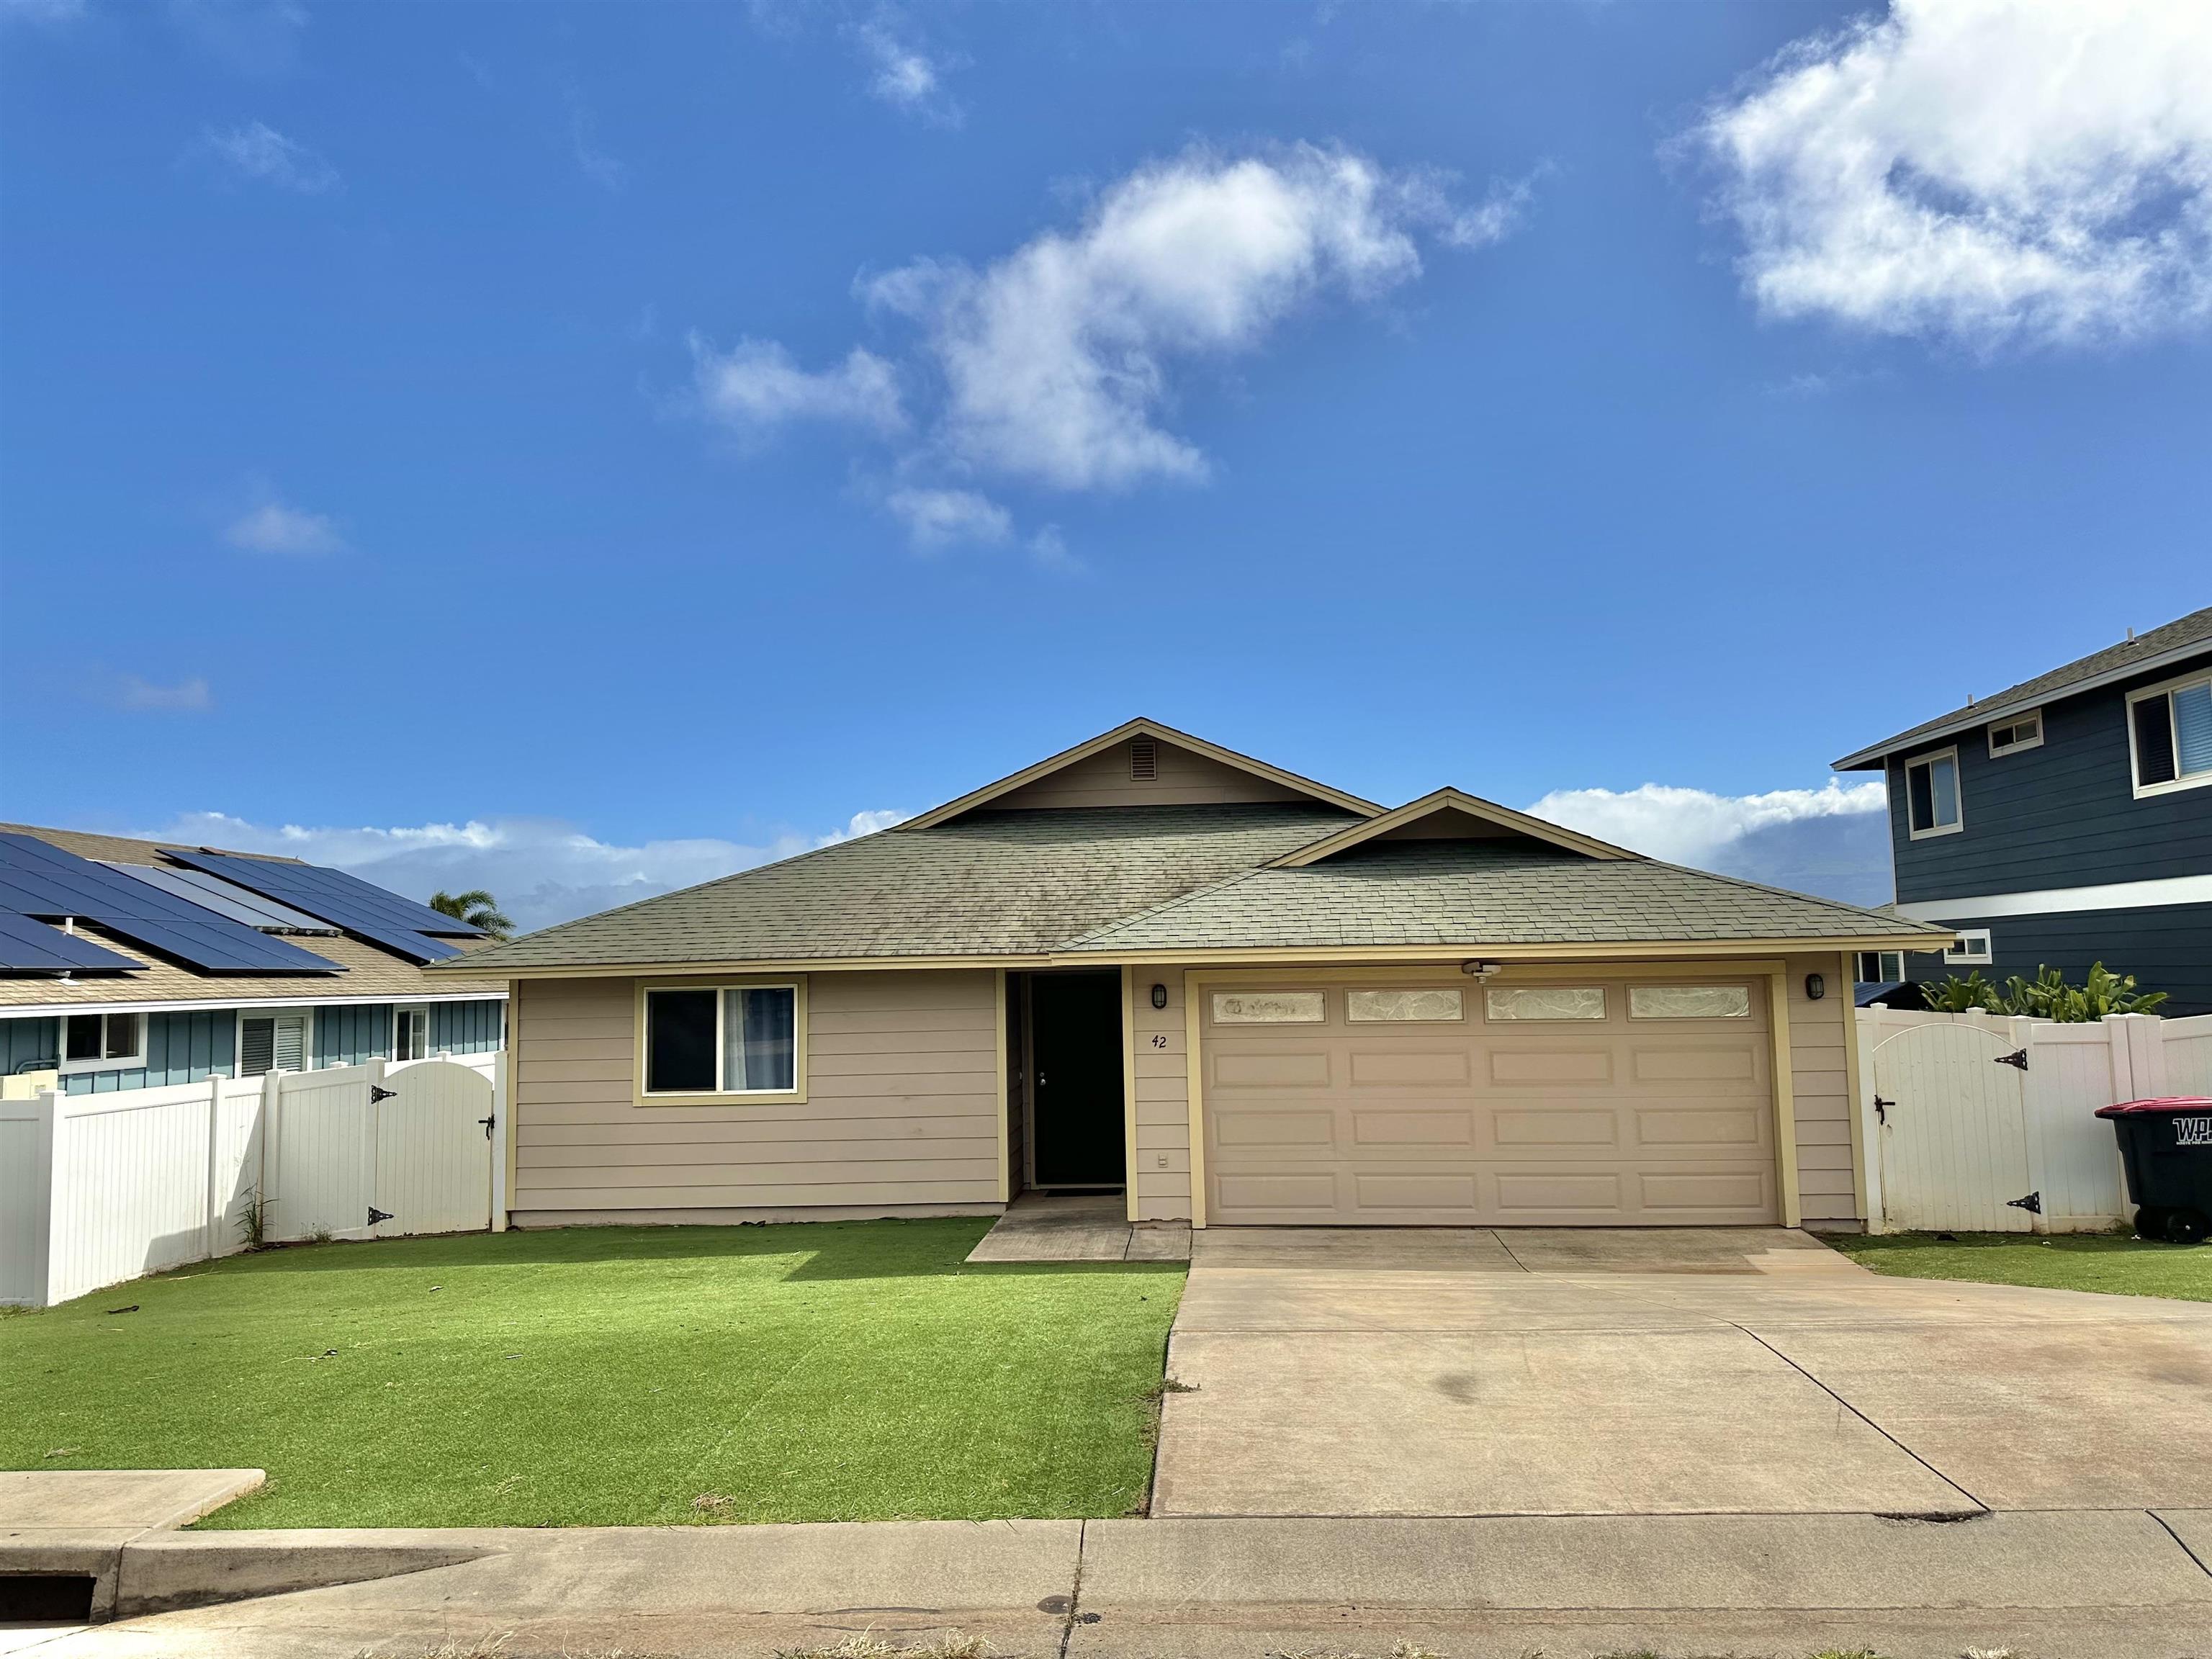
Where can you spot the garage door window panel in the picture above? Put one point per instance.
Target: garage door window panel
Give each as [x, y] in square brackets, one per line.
[1689, 1002]
[1270, 1007]
[1433, 1005]
[1535, 1002]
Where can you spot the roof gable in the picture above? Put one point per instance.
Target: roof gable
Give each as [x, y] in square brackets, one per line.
[1450, 815]
[1190, 772]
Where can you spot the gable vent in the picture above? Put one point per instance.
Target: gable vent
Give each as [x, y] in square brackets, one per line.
[1144, 760]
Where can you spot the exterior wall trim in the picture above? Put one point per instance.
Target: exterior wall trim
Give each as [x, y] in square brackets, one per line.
[216, 1005]
[1785, 1104]
[1129, 1091]
[1005, 1089]
[2058, 901]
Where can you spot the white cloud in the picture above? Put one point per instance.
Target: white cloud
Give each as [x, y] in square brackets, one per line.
[1688, 826]
[2038, 170]
[943, 518]
[273, 528]
[187, 696]
[542, 870]
[261, 153]
[756, 386]
[1056, 364]
[1057, 359]
[905, 76]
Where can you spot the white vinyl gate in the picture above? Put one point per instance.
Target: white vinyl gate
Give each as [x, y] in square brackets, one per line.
[1952, 1117]
[410, 1154]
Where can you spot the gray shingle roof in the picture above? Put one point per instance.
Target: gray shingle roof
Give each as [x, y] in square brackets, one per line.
[1169, 877]
[991, 883]
[1464, 893]
[2195, 628]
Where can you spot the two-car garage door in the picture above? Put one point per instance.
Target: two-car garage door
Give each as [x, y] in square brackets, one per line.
[1426, 1102]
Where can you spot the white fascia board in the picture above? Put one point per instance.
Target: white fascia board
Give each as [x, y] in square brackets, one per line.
[2059, 901]
[47, 1010]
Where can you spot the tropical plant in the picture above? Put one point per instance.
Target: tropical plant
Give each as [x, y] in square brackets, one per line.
[1955, 996]
[2047, 996]
[477, 908]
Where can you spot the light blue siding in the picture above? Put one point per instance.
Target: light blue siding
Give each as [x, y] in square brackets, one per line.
[25, 1043]
[465, 1028]
[180, 1048]
[350, 1037]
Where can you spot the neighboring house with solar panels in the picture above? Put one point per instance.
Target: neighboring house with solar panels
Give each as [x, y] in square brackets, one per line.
[2067, 821]
[129, 965]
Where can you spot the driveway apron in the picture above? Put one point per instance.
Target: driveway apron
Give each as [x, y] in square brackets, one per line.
[1631, 1371]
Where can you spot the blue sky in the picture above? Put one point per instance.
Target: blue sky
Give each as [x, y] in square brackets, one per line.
[583, 449]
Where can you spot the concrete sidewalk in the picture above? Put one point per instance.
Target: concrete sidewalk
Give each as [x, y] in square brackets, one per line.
[2115, 1584]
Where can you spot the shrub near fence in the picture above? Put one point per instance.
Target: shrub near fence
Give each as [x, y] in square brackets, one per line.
[95, 1189]
[1987, 1123]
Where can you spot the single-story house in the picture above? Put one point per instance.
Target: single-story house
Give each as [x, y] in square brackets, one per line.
[133, 964]
[1152, 965]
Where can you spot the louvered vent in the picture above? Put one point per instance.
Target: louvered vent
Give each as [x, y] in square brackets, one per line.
[258, 1047]
[1144, 760]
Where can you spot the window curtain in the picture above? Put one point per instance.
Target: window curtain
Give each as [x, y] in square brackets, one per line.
[759, 1047]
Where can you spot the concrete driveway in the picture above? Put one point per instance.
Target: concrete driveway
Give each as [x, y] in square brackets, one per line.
[1543, 1371]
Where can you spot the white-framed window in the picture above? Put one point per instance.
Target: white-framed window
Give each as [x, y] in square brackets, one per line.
[1932, 794]
[102, 1042]
[1544, 1001]
[704, 1042]
[1689, 1002]
[277, 1040]
[1444, 1002]
[411, 1031]
[2019, 731]
[1881, 967]
[2170, 735]
[1972, 948]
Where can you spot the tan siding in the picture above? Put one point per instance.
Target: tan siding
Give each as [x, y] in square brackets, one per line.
[1185, 780]
[1162, 1159]
[901, 1109]
[1822, 1092]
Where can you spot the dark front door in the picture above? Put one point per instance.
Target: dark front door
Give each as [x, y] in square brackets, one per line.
[1075, 1033]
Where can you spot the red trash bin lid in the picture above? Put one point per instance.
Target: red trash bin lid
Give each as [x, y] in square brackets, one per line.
[2191, 1103]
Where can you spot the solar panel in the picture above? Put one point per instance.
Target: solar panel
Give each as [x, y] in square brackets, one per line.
[225, 898]
[37, 879]
[32, 947]
[362, 909]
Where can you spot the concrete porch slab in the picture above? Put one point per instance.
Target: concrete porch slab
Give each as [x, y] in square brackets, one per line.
[1081, 1227]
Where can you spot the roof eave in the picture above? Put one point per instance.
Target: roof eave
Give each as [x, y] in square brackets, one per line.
[1965, 720]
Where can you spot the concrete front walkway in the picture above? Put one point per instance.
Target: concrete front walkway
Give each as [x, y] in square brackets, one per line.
[1465, 1372]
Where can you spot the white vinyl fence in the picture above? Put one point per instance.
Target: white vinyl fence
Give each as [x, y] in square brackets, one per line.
[1978, 1123]
[97, 1188]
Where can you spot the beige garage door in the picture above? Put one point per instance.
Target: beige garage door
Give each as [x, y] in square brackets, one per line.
[1430, 1103]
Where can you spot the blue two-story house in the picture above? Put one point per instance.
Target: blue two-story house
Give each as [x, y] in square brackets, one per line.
[2067, 820]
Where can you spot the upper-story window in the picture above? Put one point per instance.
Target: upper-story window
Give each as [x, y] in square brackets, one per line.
[2021, 732]
[1932, 794]
[2170, 735]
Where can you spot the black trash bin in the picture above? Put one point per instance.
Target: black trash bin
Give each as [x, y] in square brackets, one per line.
[2165, 1146]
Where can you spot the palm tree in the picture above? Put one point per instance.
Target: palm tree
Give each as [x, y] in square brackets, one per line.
[477, 908]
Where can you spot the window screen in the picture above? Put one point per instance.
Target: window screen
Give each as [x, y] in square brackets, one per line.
[758, 1038]
[679, 1041]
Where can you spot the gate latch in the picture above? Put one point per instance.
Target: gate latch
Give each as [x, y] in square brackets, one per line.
[2017, 1057]
[1881, 1109]
[488, 1123]
[2033, 1204]
[377, 1092]
[376, 1215]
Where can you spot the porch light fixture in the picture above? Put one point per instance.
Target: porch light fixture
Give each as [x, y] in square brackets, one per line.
[1815, 988]
[1480, 969]
[1159, 996]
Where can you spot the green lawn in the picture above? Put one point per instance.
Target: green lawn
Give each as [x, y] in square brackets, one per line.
[835, 1370]
[2066, 1261]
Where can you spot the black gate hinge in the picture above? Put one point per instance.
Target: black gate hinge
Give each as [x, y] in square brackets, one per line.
[377, 1092]
[2033, 1204]
[376, 1215]
[2017, 1057]
[1881, 1109]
